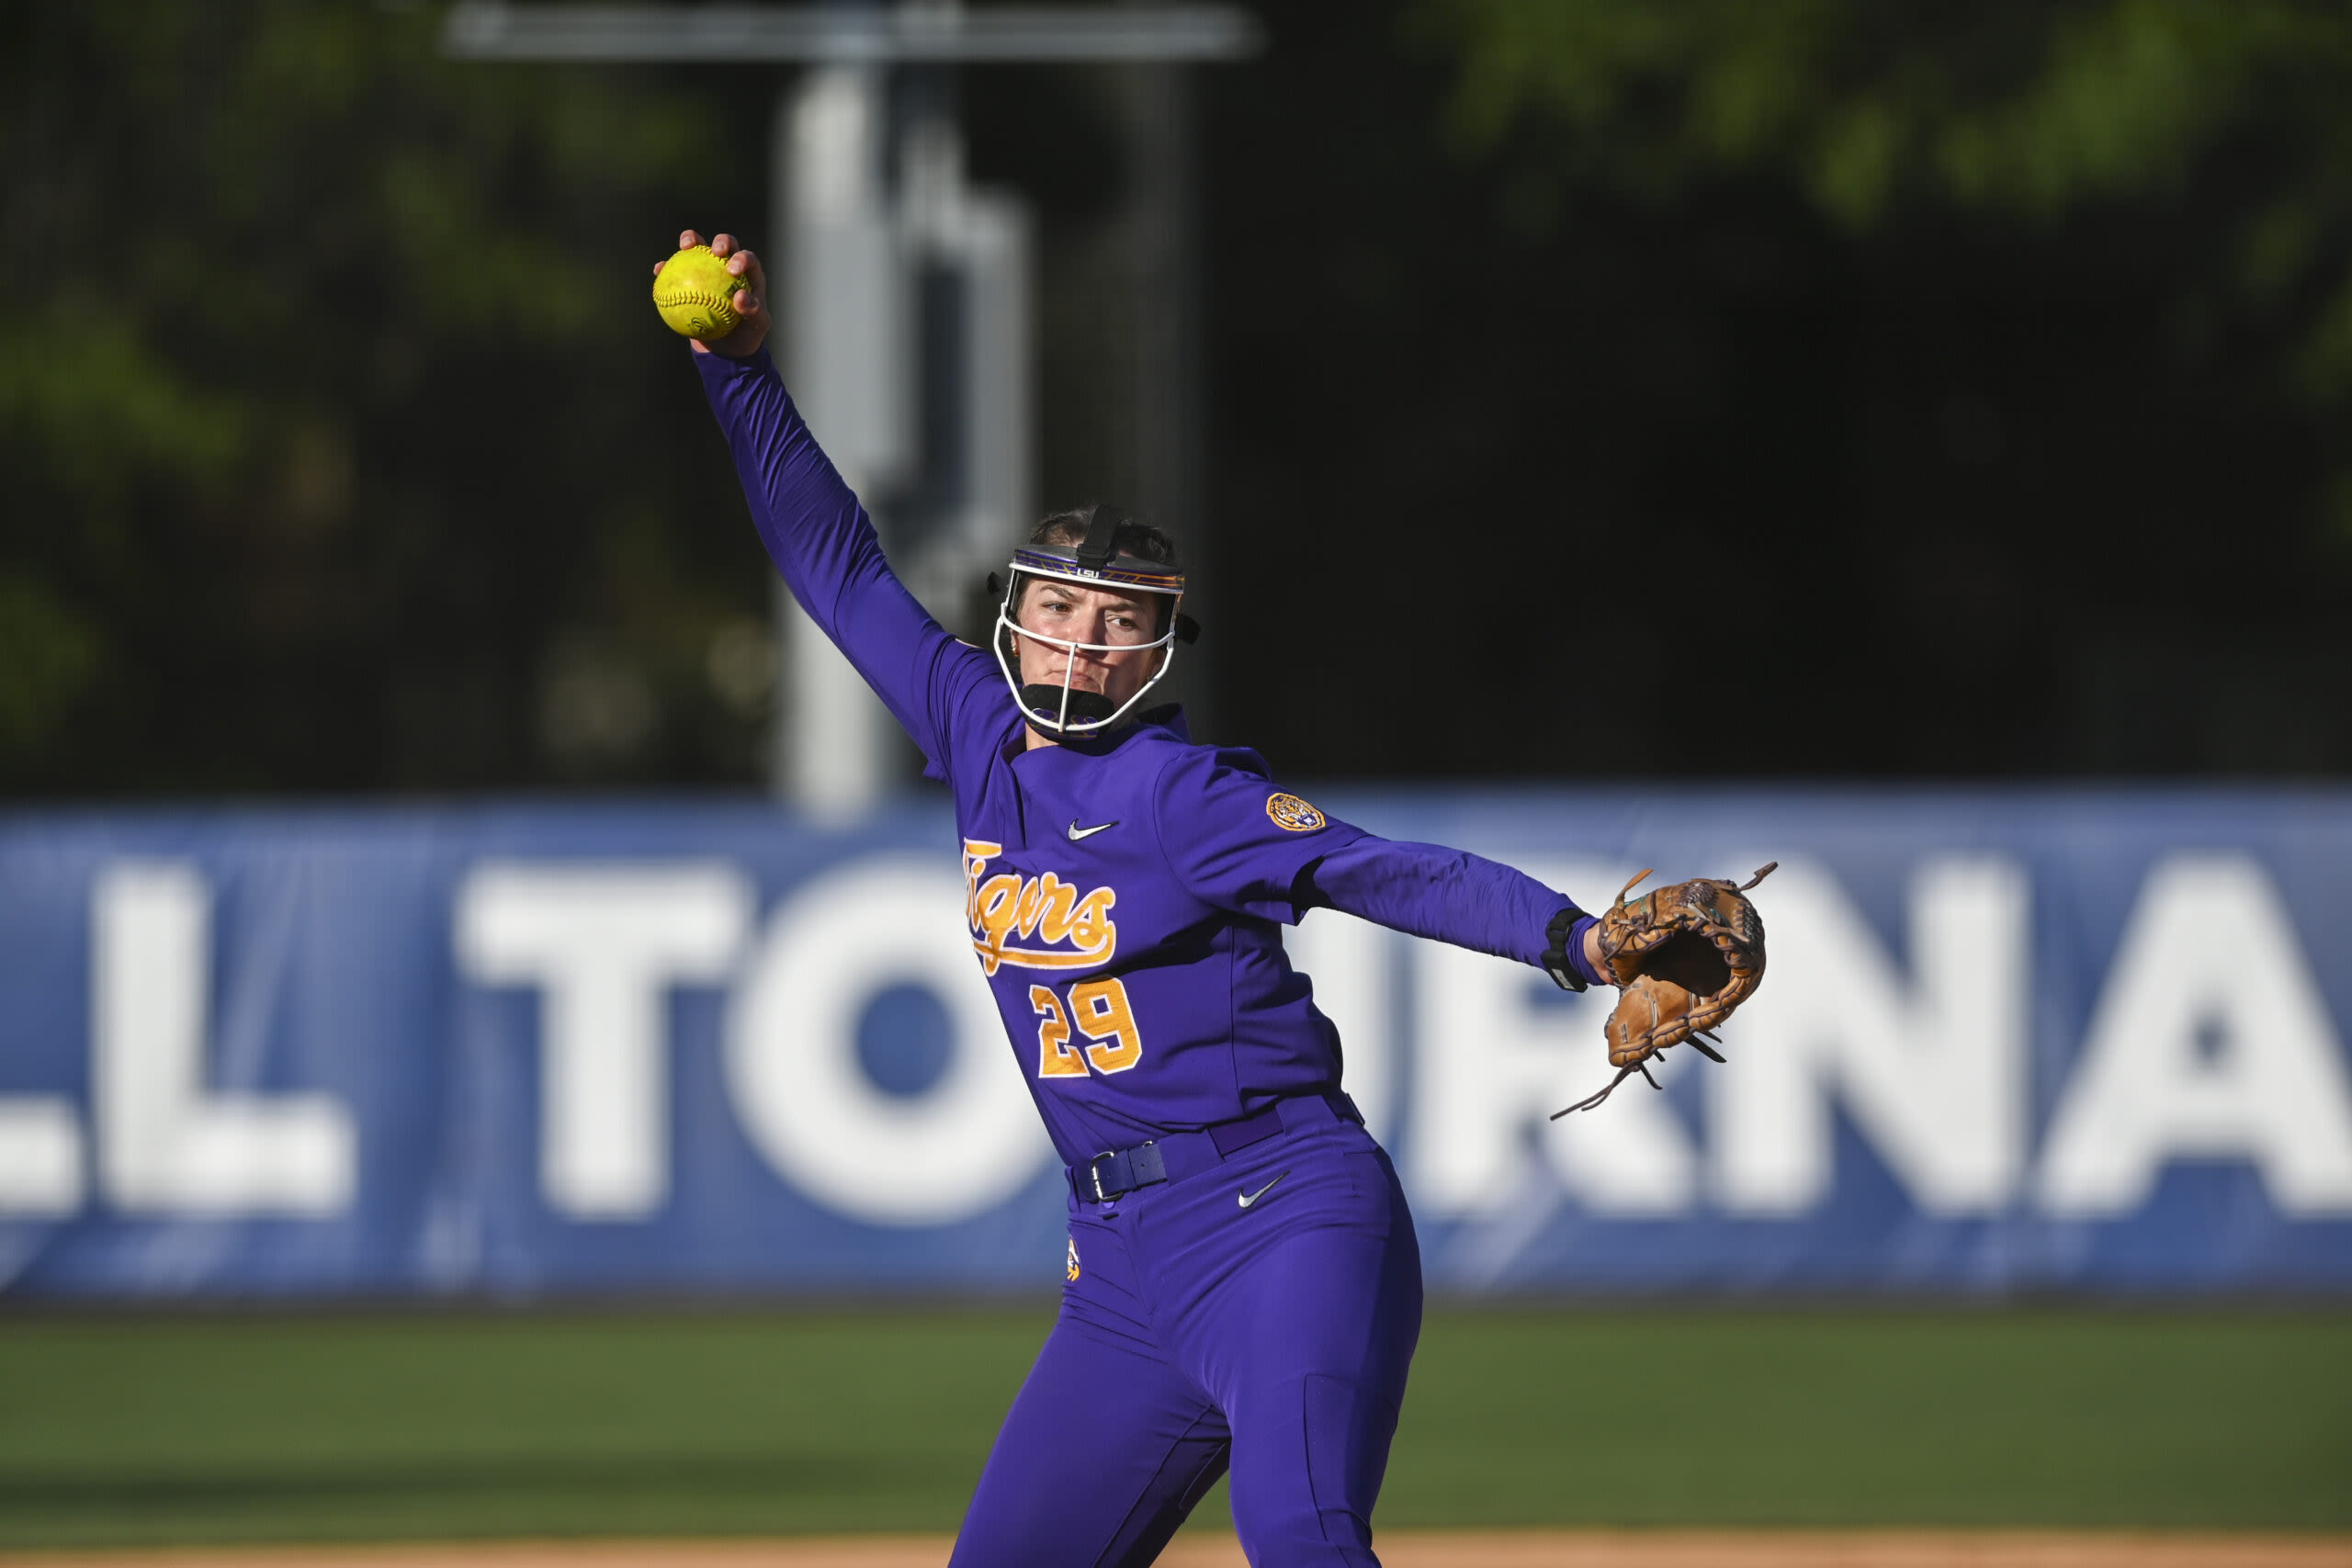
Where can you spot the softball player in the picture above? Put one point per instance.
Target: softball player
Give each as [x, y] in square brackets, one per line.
[1242, 1282]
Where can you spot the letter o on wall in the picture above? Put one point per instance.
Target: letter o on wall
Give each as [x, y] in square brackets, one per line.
[958, 1149]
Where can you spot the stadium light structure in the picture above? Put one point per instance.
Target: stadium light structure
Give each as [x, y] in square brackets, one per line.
[843, 35]
[864, 207]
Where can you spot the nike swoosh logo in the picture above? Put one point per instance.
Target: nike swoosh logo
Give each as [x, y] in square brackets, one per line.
[1077, 832]
[1246, 1198]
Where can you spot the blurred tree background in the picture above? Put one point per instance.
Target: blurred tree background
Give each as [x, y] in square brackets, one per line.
[1848, 387]
[1863, 388]
[333, 452]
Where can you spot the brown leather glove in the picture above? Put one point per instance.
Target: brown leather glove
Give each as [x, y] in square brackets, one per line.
[1684, 958]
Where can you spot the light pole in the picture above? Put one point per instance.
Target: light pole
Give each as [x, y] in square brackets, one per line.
[860, 205]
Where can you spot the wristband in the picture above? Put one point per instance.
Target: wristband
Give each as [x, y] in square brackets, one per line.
[1564, 960]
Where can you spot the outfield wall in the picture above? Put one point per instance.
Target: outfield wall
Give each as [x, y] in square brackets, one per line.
[2008, 1042]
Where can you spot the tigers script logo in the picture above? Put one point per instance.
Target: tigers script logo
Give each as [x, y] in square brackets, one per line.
[1045, 908]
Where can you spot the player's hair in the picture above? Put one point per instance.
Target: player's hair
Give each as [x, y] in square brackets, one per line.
[1131, 538]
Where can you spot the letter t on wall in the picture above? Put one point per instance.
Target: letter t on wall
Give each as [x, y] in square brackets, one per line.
[603, 944]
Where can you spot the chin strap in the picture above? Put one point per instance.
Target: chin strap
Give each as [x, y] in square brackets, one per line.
[1084, 707]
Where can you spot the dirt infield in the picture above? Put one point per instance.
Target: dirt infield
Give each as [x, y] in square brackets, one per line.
[1485, 1548]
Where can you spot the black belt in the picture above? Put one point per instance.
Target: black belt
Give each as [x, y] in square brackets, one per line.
[1179, 1155]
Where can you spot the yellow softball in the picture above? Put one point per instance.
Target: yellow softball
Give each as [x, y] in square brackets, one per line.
[695, 293]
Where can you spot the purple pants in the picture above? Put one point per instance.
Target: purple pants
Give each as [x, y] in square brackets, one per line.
[1196, 1332]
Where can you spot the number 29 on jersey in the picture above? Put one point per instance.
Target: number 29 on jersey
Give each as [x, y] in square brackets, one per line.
[1097, 1010]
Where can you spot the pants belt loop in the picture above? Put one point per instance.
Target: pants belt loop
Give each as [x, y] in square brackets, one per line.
[1232, 1137]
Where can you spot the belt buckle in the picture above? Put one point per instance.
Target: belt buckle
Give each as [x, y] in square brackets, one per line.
[1094, 1175]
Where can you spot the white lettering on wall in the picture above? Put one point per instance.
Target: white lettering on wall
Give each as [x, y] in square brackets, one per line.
[1931, 1070]
[2209, 1040]
[1351, 962]
[965, 1145]
[1498, 1051]
[604, 943]
[165, 1143]
[40, 1156]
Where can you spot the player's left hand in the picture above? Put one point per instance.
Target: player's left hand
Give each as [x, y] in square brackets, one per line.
[750, 299]
[1683, 958]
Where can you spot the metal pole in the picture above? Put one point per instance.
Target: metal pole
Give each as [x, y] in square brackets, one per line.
[847, 357]
[1169, 438]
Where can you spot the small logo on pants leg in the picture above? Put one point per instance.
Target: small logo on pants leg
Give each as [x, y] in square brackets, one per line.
[1246, 1198]
[1070, 1273]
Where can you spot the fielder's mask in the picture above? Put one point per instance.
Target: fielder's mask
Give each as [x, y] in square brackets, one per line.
[1060, 710]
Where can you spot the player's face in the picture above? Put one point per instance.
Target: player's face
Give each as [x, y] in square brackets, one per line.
[1074, 614]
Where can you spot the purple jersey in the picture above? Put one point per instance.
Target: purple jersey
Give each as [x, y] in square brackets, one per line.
[1126, 896]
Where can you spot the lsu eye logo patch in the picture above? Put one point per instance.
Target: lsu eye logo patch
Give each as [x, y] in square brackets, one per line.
[1293, 815]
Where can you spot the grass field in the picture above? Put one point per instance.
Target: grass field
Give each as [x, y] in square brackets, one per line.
[279, 1426]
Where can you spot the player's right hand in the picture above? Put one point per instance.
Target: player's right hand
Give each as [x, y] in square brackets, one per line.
[750, 299]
